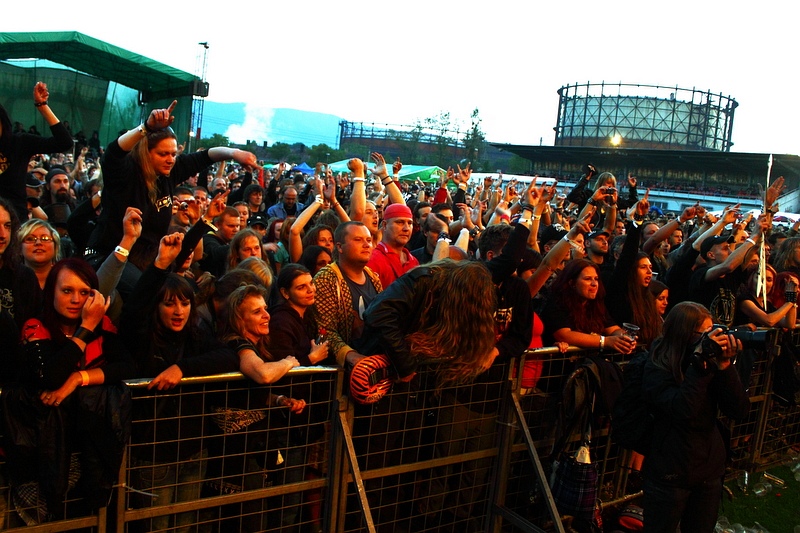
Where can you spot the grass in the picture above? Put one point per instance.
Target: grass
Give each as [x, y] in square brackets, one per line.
[778, 511]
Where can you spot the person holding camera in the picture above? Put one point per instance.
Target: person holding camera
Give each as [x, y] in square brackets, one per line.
[689, 377]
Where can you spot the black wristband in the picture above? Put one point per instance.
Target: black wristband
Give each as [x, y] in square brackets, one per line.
[147, 128]
[84, 334]
[40, 104]
[444, 235]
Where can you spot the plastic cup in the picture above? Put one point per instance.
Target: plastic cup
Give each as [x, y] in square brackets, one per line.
[631, 330]
[761, 489]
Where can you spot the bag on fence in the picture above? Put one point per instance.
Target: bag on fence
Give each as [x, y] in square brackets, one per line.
[574, 484]
[632, 422]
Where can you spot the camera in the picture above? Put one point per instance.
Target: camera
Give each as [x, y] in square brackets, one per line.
[755, 340]
[610, 190]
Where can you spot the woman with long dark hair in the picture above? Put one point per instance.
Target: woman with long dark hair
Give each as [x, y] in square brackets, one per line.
[72, 362]
[688, 378]
[168, 459]
[16, 150]
[294, 330]
[576, 312]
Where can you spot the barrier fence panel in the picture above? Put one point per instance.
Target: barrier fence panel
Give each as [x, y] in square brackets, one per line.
[221, 453]
[225, 454]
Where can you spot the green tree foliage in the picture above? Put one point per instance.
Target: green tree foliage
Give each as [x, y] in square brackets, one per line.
[474, 140]
[214, 140]
[322, 153]
[279, 151]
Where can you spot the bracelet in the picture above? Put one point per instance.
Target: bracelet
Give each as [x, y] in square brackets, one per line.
[462, 186]
[536, 217]
[318, 199]
[84, 334]
[602, 342]
[638, 218]
[147, 128]
[334, 205]
[358, 179]
[750, 241]
[141, 129]
[529, 207]
[40, 104]
[444, 236]
[280, 400]
[523, 220]
[210, 225]
[84, 378]
[121, 251]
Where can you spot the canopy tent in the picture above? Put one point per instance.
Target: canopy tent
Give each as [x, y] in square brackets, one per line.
[304, 168]
[428, 174]
[83, 95]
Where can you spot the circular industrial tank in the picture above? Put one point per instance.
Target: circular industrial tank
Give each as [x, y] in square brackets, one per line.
[644, 116]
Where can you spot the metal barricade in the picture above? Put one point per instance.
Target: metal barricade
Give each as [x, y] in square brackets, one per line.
[221, 453]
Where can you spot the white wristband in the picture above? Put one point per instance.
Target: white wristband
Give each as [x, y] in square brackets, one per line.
[121, 251]
[358, 179]
[750, 241]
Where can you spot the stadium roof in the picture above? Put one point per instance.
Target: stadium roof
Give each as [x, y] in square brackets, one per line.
[86, 54]
[751, 163]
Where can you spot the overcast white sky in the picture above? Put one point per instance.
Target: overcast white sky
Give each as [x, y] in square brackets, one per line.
[397, 62]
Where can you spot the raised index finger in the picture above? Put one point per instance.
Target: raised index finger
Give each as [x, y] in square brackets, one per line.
[172, 106]
[646, 194]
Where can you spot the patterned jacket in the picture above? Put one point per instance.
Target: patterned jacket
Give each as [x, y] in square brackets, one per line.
[333, 308]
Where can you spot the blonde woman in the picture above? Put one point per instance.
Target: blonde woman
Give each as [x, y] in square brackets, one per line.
[41, 247]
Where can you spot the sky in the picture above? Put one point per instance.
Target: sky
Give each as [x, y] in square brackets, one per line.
[396, 63]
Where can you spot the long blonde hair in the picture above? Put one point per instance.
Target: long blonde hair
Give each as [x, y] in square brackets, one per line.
[141, 156]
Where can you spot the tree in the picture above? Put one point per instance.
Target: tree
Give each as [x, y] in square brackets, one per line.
[322, 153]
[279, 151]
[214, 140]
[474, 140]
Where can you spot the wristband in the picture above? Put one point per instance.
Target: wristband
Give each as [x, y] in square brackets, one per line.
[386, 181]
[523, 220]
[318, 199]
[462, 186]
[84, 334]
[210, 225]
[444, 236]
[121, 251]
[141, 129]
[750, 241]
[147, 128]
[358, 179]
[536, 217]
[334, 205]
[40, 104]
[529, 207]
[84, 378]
[637, 217]
[602, 342]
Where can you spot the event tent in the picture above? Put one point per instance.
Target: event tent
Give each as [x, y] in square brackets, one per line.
[426, 173]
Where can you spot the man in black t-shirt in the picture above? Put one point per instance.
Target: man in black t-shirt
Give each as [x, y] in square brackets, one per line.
[715, 285]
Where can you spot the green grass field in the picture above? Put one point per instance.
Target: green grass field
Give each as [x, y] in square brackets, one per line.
[778, 511]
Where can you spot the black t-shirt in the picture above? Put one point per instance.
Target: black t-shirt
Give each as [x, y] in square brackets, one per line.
[362, 295]
[719, 295]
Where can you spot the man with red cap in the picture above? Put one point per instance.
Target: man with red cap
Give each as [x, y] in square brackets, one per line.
[390, 258]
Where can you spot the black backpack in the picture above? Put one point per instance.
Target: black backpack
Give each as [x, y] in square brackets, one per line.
[632, 422]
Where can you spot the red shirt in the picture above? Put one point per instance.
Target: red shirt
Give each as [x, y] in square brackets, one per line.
[387, 264]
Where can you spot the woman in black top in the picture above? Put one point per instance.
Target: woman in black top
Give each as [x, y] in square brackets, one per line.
[141, 169]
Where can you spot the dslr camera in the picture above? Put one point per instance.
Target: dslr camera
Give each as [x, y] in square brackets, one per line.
[756, 340]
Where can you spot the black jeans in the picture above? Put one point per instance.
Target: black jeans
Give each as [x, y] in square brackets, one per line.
[694, 508]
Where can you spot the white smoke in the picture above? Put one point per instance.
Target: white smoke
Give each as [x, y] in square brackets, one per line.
[257, 126]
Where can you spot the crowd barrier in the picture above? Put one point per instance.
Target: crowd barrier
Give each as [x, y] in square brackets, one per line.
[220, 454]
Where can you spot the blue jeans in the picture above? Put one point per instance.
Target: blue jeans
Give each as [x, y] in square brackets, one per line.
[169, 483]
[695, 509]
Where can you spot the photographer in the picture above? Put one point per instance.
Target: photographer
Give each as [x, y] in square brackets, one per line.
[687, 379]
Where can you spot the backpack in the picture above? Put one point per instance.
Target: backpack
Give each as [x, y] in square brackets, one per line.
[632, 422]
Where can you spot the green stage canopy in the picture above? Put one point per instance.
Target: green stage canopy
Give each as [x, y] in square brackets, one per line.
[89, 81]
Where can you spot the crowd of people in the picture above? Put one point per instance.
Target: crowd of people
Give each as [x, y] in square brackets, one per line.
[156, 263]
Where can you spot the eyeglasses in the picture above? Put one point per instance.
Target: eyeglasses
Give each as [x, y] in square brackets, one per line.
[33, 239]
